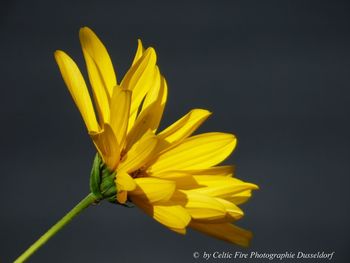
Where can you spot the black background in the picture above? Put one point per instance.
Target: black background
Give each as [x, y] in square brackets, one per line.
[275, 73]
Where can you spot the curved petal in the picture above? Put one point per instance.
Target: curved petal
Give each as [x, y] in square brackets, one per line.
[153, 189]
[172, 175]
[139, 79]
[77, 88]
[231, 209]
[181, 231]
[172, 216]
[199, 206]
[151, 113]
[139, 52]
[107, 146]
[225, 231]
[184, 127]
[158, 92]
[125, 182]
[224, 170]
[120, 108]
[122, 196]
[217, 186]
[240, 197]
[101, 72]
[139, 154]
[197, 152]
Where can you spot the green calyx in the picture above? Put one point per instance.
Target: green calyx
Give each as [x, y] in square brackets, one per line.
[102, 183]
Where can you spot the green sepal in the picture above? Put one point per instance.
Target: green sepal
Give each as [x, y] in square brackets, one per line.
[102, 182]
[109, 190]
[107, 185]
[95, 177]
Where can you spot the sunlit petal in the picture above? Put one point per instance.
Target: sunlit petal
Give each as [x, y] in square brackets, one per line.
[120, 108]
[182, 128]
[77, 88]
[197, 152]
[102, 69]
[139, 51]
[125, 182]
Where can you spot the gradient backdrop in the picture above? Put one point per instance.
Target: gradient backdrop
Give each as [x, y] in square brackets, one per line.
[275, 73]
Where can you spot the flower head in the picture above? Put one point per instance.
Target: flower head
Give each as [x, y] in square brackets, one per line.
[171, 175]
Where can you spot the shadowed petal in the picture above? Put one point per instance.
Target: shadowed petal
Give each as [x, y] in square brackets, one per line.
[153, 189]
[225, 231]
[172, 216]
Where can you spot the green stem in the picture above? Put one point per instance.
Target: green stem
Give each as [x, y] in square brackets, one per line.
[88, 200]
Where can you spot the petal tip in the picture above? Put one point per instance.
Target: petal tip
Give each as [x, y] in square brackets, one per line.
[58, 53]
[255, 187]
[84, 30]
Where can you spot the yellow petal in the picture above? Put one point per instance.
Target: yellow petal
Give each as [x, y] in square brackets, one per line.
[139, 51]
[158, 92]
[124, 182]
[122, 196]
[120, 108]
[107, 146]
[172, 174]
[225, 170]
[199, 206]
[231, 209]
[184, 127]
[225, 231]
[96, 58]
[139, 79]
[208, 180]
[184, 181]
[181, 231]
[172, 216]
[139, 154]
[187, 181]
[151, 112]
[102, 66]
[240, 197]
[201, 183]
[218, 186]
[197, 152]
[153, 189]
[77, 88]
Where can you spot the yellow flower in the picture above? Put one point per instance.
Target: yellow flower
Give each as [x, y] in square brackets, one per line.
[171, 175]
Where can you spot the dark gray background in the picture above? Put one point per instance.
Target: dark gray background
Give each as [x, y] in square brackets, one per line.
[275, 73]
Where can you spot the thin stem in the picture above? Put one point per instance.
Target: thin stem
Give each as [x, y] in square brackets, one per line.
[88, 200]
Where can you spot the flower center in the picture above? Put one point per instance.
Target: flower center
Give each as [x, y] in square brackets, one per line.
[138, 173]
